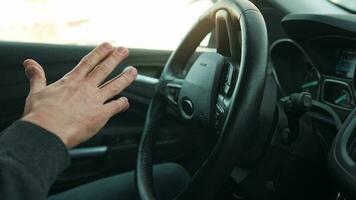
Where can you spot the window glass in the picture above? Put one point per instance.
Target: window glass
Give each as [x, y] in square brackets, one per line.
[347, 4]
[150, 24]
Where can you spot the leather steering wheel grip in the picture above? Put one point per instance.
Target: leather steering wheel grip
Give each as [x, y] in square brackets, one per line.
[245, 101]
[144, 167]
[341, 165]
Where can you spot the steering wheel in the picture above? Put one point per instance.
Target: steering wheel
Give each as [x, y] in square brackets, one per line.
[222, 91]
[342, 157]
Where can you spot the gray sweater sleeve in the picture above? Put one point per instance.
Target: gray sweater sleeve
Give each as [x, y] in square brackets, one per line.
[30, 160]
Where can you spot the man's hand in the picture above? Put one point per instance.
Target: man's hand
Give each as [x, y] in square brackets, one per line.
[75, 107]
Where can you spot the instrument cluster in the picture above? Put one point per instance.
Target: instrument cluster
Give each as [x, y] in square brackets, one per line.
[324, 67]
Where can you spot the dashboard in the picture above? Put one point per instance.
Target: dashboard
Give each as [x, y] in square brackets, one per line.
[319, 57]
[313, 65]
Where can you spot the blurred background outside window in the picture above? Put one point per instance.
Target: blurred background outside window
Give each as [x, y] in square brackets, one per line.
[148, 24]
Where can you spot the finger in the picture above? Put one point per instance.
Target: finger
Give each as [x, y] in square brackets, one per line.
[117, 106]
[117, 84]
[89, 61]
[103, 69]
[35, 74]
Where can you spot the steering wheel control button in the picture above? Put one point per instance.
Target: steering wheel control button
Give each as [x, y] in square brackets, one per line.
[219, 116]
[187, 106]
[173, 92]
[228, 78]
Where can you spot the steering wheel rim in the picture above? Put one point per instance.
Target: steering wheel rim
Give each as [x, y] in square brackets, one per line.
[249, 67]
[340, 162]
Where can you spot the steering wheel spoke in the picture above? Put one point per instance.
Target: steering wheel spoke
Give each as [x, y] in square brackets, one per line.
[227, 36]
[227, 86]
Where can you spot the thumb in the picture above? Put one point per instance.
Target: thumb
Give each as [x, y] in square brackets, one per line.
[35, 74]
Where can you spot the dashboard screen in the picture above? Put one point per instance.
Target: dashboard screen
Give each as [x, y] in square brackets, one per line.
[345, 66]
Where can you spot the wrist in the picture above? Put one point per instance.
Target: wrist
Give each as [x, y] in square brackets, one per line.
[49, 125]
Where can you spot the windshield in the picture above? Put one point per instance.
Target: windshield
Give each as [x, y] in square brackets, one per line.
[153, 24]
[347, 4]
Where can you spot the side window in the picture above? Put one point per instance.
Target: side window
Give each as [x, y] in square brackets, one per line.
[149, 24]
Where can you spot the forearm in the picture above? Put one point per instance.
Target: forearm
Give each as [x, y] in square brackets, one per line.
[30, 160]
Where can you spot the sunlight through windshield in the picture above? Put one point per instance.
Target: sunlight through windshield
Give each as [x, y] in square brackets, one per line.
[152, 24]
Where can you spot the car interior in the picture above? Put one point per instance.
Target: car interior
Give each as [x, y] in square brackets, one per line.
[263, 111]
